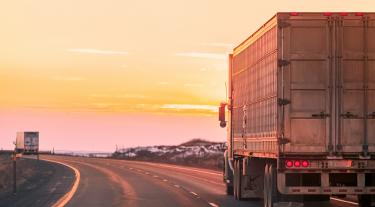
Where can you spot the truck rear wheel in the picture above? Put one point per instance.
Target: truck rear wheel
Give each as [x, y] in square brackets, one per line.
[229, 189]
[266, 186]
[270, 191]
[237, 180]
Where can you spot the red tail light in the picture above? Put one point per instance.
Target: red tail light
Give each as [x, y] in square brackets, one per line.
[344, 14]
[359, 14]
[305, 163]
[327, 14]
[289, 163]
[293, 13]
[297, 163]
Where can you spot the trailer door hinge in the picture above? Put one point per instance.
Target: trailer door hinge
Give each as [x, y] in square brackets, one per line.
[321, 115]
[372, 115]
[283, 102]
[281, 62]
[349, 115]
[284, 141]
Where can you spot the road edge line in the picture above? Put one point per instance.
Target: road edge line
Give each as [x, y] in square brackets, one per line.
[66, 198]
[343, 201]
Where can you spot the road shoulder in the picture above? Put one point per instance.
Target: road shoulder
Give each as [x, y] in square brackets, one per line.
[47, 185]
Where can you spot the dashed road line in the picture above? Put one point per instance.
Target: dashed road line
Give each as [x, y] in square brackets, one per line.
[193, 193]
[213, 204]
[175, 185]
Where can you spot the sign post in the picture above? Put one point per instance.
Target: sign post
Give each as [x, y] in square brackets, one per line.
[14, 173]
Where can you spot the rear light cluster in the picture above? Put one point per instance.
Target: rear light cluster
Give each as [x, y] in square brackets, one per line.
[328, 14]
[297, 163]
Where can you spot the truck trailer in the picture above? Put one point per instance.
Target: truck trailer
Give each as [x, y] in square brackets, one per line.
[27, 142]
[300, 113]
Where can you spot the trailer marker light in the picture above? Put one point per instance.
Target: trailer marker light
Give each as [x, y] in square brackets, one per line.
[327, 14]
[305, 163]
[344, 14]
[359, 14]
[293, 13]
[289, 163]
[297, 163]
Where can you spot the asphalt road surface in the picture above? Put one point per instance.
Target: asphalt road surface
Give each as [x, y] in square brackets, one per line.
[108, 182]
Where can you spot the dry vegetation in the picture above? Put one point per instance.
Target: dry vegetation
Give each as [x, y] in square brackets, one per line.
[196, 152]
[25, 170]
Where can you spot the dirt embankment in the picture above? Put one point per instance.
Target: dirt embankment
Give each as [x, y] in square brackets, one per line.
[27, 171]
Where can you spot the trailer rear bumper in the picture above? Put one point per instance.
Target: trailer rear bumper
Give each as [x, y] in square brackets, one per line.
[328, 183]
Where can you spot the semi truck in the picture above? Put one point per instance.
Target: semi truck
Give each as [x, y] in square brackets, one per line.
[27, 142]
[300, 112]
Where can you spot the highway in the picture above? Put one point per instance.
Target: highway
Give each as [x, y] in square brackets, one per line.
[108, 182]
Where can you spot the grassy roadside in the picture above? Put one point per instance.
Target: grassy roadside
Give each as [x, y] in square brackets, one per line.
[27, 172]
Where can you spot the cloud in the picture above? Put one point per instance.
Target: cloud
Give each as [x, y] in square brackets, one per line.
[217, 56]
[220, 44]
[66, 78]
[120, 96]
[96, 51]
[163, 83]
[193, 85]
[180, 107]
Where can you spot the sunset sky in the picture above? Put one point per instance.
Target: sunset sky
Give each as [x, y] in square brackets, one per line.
[90, 74]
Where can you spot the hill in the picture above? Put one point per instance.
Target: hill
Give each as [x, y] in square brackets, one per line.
[196, 152]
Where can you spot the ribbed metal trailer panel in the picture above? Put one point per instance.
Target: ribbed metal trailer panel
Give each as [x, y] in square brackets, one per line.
[305, 84]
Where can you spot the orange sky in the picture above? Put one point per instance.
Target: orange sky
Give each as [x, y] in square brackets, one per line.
[120, 60]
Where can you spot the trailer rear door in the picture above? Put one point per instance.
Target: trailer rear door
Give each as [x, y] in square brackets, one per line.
[305, 45]
[356, 88]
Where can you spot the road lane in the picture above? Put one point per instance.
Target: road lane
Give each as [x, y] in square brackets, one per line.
[208, 184]
[105, 184]
[129, 183]
[95, 188]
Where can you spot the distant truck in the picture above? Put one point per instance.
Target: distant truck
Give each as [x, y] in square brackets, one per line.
[301, 109]
[27, 142]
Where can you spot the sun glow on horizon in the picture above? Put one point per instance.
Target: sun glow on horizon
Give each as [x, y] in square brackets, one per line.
[125, 58]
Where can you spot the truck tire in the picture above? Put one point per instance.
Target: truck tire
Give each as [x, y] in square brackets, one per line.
[229, 189]
[271, 194]
[266, 186]
[365, 200]
[237, 180]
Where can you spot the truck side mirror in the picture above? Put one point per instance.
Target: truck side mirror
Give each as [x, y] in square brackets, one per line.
[223, 123]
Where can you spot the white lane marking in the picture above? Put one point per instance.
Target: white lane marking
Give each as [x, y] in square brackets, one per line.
[213, 204]
[193, 193]
[147, 173]
[177, 186]
[155, 176]
[344, 201]
[165, 180]
[130, 168]
[188, 169]
[66, 198]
